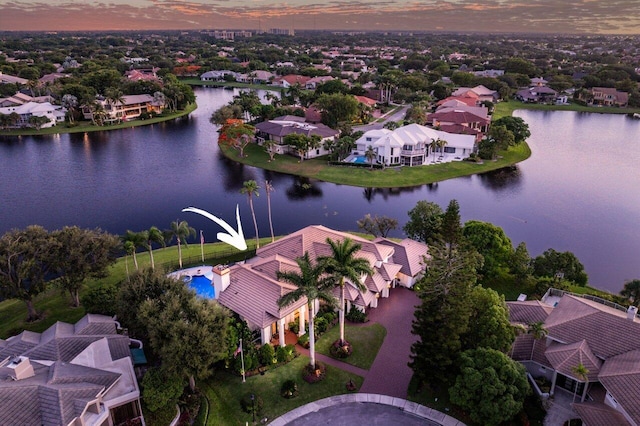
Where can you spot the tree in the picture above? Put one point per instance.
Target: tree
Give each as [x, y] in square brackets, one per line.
[114, 96]
[302, 143]
[492, 243]
[370, 155]
[268, 189]
[336, 108]
[153, 235]
[502, 136]
[311, 283]
[225, 113]
[70, 102]
[520, 262]
[631, 291]
[180, 230]
[559, 265]
[343, 265]
[515, 125]
[38, 121]
[26, 265]
[80, 254]
[538, 332]
[425, 221]
[250, 188]
[133, 240]
[491, 386]
[249, 102]
[377, 225]
[188, 333]
[269, 146]
[451, 229]
[582, 373]
[237, 134]
[489, 325]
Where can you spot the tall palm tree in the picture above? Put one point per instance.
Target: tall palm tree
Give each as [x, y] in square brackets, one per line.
[268, 188]
[311, 284]
[250, 188]
[180, 230]
[153, 235]
[433, 145]
[581, 373]
[114, 96]
[441, 144]
[136, 239]
[370, 155]
[343, 265]
[129, 248]
[538, 332]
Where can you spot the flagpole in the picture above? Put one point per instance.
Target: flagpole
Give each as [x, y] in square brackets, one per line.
[202, 245]
[242, 359]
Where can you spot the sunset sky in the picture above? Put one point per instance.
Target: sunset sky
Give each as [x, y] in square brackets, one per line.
[564, 16]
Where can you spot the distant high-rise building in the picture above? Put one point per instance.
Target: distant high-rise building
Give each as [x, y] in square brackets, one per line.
[281, 31]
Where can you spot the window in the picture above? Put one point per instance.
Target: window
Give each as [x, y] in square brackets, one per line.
[449, 150]
[391, 151]
[368, 139]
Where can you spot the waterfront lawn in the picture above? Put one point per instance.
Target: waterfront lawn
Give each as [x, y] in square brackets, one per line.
[194, 81]
[366, 342]
[506, 108]
[87, 126]
[391, 177]
[225, 390]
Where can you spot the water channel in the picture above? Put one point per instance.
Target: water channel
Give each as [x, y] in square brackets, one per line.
[579, 191]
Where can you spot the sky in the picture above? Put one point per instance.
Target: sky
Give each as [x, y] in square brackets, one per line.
[526, 16]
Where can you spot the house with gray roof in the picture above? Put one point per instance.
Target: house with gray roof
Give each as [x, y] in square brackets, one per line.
[71, 374]
[252, 289]
[276, 129]
[599, 335]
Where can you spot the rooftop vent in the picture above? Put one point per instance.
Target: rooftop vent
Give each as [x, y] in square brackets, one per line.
[22, 368]
[632, 311]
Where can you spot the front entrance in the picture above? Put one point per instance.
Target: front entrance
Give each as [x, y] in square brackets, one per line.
[570, 384]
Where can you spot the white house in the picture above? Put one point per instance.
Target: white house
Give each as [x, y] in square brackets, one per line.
[410, 145]
[55, 114]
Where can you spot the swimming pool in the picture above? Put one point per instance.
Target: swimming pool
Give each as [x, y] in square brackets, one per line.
[203, 287]
[360, 159]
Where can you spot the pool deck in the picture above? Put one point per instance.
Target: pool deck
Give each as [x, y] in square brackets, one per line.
[205, 270]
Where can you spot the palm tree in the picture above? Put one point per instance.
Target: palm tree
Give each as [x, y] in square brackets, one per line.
[268, 188]
[133, 240]
[114, 96]
[441, 144]
[343, 265]
[433, 146]
[311, 284]
[129, 248]
[538, 331]
[153, 235]
[70, 102]
[581, 373]
[180, 230]
[370, 155]
[250, 187]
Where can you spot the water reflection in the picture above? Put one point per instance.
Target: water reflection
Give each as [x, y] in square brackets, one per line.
[302, 188]
[507, 178]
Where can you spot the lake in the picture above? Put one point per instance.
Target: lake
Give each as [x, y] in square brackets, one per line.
[579, 191]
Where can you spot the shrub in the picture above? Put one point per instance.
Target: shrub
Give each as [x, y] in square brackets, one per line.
[356, 315]
[267, 354]
[320, 325]
[252, 406]
[329, 316]
[294, 327]
[101, 300]
[314, 374]
[160, 389]
[304, 341]
[289, 389]
[338, 350]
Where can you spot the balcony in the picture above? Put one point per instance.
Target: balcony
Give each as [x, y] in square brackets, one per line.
[408, 152]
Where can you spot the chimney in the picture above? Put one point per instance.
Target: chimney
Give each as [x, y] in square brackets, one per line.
[221, 278]
[632, 311]
[22, 368]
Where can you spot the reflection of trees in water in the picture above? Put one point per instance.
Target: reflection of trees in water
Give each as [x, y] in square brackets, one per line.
[234, 173]
[302, 188]
[370, 193]
[507, 177]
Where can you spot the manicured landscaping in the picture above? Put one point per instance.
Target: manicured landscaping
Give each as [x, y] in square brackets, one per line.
[225, 391]
[87, 126]
[392, 177]
[366, 341]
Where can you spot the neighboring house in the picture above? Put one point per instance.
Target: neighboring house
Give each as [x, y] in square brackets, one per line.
[483, 93]
[6, 78]
[252, 290]
[468, 98]
[52, 77]
[144, 74]
[131, 108]
[71, 374]
[456, 120]
[488, 73]
[410, 145]
[291, 80]
[607, 96]
[602, 336]
[217, 75]
[368, 102]
[537, 94]
[261, 77]
[314, 82]
[54, 113]
[280, 127]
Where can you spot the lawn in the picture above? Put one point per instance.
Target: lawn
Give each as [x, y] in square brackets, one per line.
[225, 390]
[392, 177]
[506, 108]
[366, 341]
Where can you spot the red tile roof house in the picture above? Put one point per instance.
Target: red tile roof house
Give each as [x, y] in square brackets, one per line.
[453, 119]
[71, 374]
[252, 289]
[604, 338]
[290, 80]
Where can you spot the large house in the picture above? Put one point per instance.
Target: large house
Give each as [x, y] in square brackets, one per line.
[483, 93]
[599, 335]
[607, 96]
[252, 289]
[411, 145]
[280, 127]
[71, 375]
[55, 114]
[464, 120]
[130, 108]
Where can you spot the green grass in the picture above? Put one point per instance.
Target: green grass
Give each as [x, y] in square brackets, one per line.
[225, 390]
[87, 126]
[506, 108]
[318, 168]
[193, 81]
[366, 341]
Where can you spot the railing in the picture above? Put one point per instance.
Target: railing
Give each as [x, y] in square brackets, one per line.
[221, 256]
[560, 293]
[412, 152]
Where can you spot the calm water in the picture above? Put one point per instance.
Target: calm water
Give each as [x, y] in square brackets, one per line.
[580, 190]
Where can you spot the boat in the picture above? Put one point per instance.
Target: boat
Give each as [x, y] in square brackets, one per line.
[636, 115]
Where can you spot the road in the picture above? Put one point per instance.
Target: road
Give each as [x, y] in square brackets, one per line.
[396, 116]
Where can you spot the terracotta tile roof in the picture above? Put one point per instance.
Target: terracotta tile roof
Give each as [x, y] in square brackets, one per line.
[620, 375]
[528, 311]
[564, 358]
[456, 117]
[599, 414]
[607, 330]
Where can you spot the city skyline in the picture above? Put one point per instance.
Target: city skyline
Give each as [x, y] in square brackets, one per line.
[531, 16]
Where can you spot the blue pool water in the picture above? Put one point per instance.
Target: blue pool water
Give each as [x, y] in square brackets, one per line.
[203, 287]
[360, 159]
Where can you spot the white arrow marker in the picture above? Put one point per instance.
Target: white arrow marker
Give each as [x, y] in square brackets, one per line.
[233, 238]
